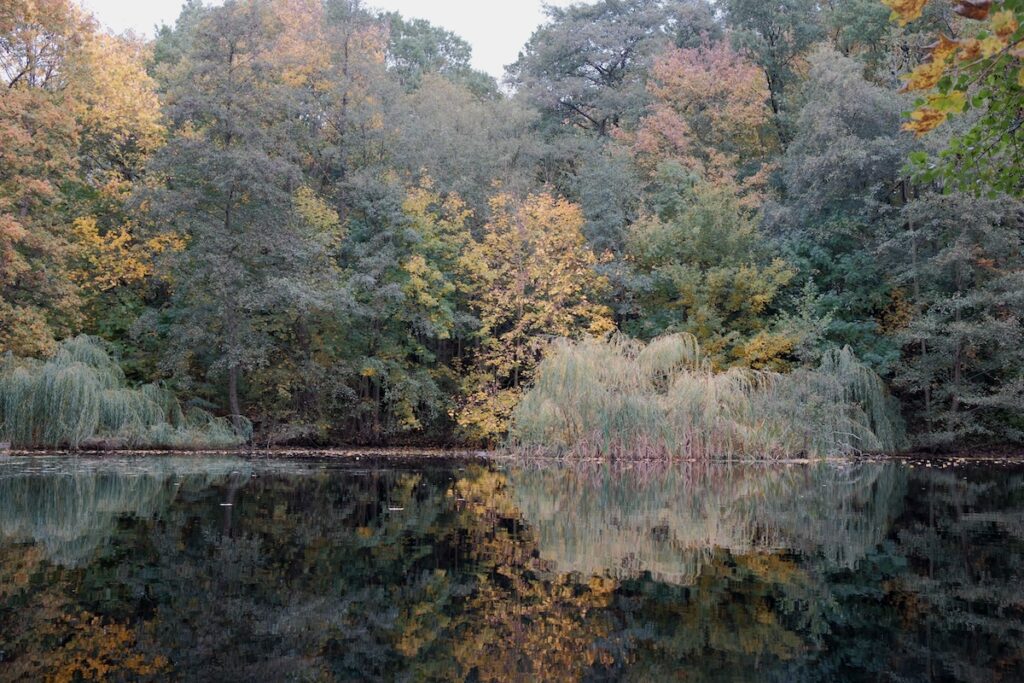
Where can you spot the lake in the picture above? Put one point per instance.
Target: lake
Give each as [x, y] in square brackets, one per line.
[239, 569]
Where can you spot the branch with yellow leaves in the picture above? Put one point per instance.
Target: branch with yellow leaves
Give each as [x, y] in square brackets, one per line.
[955, 67]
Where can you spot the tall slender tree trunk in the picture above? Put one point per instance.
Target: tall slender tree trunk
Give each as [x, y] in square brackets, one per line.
[917, 302]
[234, 405]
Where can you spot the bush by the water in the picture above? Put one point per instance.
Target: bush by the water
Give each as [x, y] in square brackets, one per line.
[622, 398]
[80, 395]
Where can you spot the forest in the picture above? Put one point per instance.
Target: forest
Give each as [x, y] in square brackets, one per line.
[677, 225]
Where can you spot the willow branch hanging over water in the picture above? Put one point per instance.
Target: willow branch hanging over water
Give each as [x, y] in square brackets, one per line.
[81, 395]
[621, 398]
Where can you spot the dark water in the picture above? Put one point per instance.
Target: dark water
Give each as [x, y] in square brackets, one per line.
[231, 569]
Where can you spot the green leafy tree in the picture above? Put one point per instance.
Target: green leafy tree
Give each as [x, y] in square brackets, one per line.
[702, 267]
[963, 364]
[586, 66]
[842, 182]
[227, 176]
[462, 142]
[416, 47]
[775, 36]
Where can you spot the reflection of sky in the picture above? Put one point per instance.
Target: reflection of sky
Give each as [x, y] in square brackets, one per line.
[671, 522]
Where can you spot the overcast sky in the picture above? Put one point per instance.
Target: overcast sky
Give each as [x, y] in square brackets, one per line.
[496, 29]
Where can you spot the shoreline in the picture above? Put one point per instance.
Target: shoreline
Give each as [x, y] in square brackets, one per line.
[355, 453]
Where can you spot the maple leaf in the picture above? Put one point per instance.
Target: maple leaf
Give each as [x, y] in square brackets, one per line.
[924, 120]
[905, 11]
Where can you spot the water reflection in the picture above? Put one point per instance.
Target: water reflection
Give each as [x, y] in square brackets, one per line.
[672, 522]
[70, 507]
[245, 569]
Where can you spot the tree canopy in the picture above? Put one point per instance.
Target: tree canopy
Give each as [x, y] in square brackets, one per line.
[322, 219]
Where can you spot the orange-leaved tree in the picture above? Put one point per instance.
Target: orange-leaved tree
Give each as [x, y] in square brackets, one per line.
[709, 114]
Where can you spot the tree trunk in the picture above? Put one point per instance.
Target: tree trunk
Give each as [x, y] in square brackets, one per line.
[233, 403]
[918, 303]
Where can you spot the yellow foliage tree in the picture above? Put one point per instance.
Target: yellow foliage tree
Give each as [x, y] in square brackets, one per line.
[531, 278]
[118, 111]
[114, 258]
[434, 263]
[38, 141]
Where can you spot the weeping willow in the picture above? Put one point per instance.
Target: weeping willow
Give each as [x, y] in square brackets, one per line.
[622, 398]
[81, 394]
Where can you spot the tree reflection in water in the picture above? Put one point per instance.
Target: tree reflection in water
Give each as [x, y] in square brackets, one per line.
[468, 571]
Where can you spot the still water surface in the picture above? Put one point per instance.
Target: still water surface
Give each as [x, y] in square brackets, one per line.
[227, 569]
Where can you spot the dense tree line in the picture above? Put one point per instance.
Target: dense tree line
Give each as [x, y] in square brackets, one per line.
[324, 220]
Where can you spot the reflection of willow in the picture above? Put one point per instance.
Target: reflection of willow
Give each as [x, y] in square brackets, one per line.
[72, 511]
[670, 521]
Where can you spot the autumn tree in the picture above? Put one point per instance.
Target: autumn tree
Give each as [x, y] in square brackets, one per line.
[38, 153]
[531, 278]
[709, 113]
[981, 69]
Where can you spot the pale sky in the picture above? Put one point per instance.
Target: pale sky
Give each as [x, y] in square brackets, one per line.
[496, 29]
